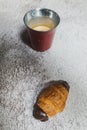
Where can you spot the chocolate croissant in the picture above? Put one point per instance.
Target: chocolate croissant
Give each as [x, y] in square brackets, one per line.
[51, 100]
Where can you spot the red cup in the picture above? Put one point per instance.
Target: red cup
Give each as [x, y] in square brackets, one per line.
[41, 40]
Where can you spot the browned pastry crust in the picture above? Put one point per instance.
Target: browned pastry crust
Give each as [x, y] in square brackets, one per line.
[53, 98]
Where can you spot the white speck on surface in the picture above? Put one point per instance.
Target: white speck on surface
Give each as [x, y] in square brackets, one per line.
[22, 69]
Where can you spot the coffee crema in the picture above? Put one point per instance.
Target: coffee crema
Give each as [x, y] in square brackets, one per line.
[41, 24]
[41, 28]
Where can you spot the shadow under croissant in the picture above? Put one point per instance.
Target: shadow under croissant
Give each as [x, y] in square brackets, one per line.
[38, 113]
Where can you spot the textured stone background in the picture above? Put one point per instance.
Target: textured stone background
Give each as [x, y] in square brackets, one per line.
[22, 69]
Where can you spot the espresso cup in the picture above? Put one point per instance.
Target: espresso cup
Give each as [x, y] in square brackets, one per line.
[41, 24]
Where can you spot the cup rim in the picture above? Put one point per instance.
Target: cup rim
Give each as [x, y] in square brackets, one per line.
[38, 9]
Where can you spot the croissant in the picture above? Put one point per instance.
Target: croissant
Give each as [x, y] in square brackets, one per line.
[51, 100]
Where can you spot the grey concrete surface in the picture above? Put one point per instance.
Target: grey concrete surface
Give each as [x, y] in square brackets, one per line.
[22, 69]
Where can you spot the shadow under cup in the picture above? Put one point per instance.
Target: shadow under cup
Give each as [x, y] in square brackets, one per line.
[41, 25]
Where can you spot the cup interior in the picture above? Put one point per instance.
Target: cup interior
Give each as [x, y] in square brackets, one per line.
[41, 14]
